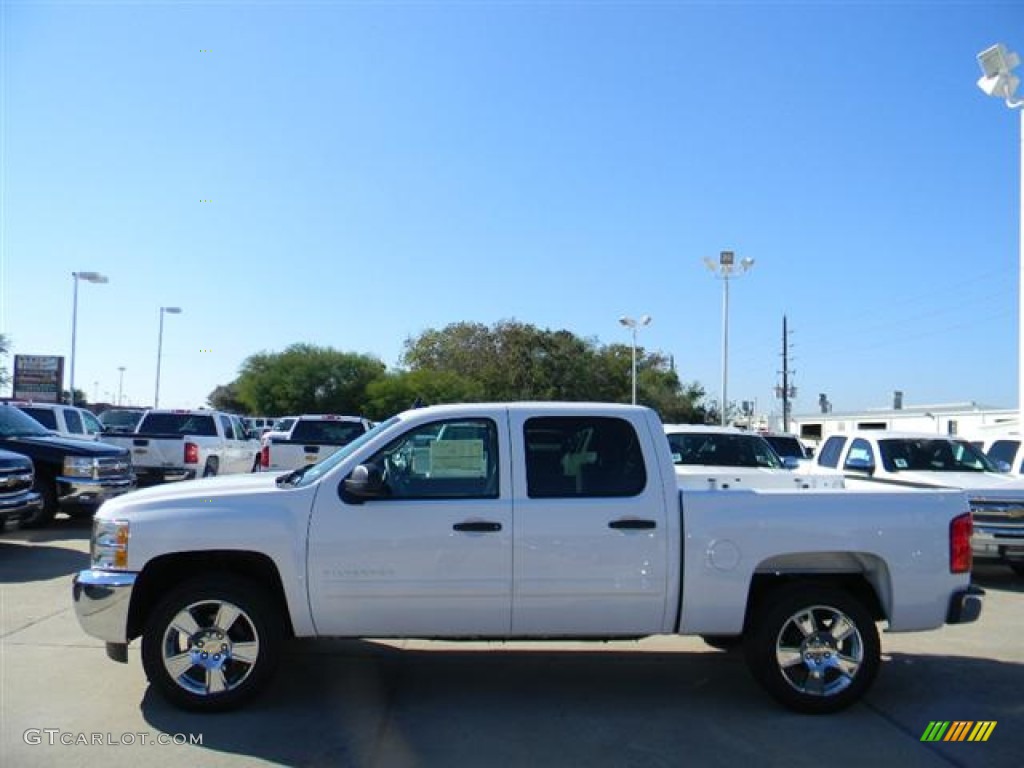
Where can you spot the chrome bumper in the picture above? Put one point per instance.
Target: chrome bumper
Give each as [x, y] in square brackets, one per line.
[84, 492]
[102, 600]
[18, 507]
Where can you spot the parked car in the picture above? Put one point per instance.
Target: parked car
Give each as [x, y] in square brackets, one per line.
[724, 458]
[71, 475]
[66, 420]
[17, 497]
[789, 446]
[121, 419]
[884, 458]
[312, 438]
[171, 445]
[517, 521]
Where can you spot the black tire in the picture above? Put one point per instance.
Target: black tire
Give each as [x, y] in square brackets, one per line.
[210, 470]
[221, 680]
[1018, 568]
[723, 642]
[40, 518]
[825, 673]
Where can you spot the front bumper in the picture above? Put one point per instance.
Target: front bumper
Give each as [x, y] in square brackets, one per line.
[84, 492]
[102, 600]
[20, 506]
[965, 605]
[998, 543]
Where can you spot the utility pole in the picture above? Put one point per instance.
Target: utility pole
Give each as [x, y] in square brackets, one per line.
[785, 391]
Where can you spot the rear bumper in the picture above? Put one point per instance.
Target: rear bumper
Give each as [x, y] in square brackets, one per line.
[965, 605]
[998, 543]
[156, 475]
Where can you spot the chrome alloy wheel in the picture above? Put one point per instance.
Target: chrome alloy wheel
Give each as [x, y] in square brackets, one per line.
[819, 651]
[210, 647]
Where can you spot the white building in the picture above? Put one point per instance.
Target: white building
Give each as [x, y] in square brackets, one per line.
[968, 420]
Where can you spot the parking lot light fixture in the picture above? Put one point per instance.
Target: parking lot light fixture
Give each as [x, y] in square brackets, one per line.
[160, 349]
[89, 277]
[997, 80]
[634, 326]
[726, 269]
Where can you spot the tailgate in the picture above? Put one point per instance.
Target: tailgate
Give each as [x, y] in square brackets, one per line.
[285, 455]
[156, 451]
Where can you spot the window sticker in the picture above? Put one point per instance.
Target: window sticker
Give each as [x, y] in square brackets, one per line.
[457, 458]
[900, 463]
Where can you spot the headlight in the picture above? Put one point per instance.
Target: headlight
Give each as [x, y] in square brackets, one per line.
[109, 548]
[80, 466]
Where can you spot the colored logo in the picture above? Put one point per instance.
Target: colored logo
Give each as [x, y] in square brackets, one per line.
[958, 730]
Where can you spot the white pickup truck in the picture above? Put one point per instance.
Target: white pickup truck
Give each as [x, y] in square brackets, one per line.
[312, 438]
[170, 445]
[727, 458]
[886, 459]
[516, 522]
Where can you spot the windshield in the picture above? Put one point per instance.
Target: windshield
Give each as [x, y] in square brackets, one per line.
[785, 445]
[314, 472]
[120, 418]
[932, 455]
[14, 423]
[722, 450]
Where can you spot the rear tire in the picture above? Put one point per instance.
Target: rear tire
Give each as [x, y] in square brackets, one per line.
[210, 470]
[212, 644]
[814, 648]
[47, 488]
[1018, 568]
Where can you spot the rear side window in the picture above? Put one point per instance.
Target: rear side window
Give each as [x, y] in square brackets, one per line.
[1004, 450]
[828, 456]
[582, 456]
[44, 416]
[74, 421]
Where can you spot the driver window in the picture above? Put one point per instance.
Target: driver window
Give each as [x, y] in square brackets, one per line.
[860, 456]
[442, 460]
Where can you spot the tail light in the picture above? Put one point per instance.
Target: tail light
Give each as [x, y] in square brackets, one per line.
[960, 531]
[265, 456]
[191, 453]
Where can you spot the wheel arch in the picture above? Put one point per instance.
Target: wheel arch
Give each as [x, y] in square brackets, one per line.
[166, 572]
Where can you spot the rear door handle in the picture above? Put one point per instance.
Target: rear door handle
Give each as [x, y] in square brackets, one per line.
[632, 525]
[478, 527]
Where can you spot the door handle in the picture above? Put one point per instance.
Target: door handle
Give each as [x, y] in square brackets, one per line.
[632, 525]
[478, 527]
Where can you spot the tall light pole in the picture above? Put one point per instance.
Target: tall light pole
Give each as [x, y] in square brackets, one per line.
[89, 277]
[120, 384]
[634, 326]
[160, 349]
[997, 80]
[726, 269]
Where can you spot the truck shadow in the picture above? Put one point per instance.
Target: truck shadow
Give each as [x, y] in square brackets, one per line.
[990, 576]
[37, 555]
[354, 703]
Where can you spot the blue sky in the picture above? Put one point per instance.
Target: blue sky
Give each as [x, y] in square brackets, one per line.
[378, 169]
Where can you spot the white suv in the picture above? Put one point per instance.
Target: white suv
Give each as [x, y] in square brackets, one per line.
[64, 420]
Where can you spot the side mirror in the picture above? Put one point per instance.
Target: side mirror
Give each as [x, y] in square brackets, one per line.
[860, 465]
[1003, 466]
[790, 462]
[365, 482]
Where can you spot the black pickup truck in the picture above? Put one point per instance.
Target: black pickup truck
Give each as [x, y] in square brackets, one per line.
[17, 499]
[73, 476]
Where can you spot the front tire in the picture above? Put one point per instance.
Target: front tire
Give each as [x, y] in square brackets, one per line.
[814, 648]
[1018, 568]
[46, 487]
[212, 644]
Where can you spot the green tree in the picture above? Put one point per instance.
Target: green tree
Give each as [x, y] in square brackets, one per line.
[397, 392]
[225, 398]
[306, 379]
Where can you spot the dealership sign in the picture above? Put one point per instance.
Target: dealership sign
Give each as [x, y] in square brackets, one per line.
[38, 377]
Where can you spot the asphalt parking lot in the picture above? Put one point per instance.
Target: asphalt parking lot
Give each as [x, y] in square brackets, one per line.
[659, 702]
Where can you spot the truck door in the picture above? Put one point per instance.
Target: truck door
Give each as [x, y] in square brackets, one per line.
[434, 557]
[591, 540]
